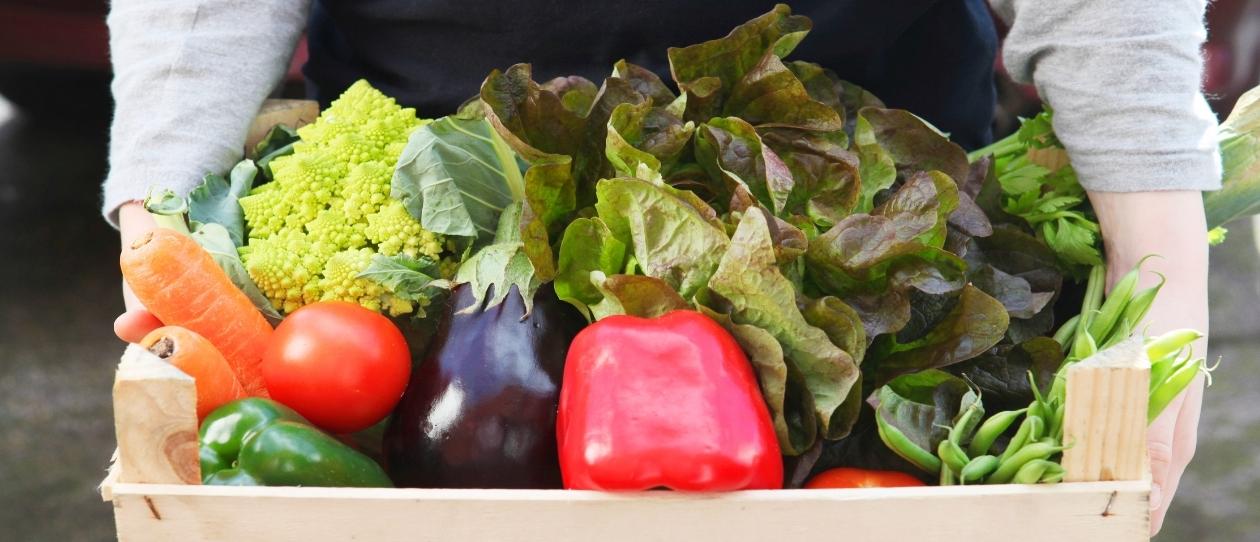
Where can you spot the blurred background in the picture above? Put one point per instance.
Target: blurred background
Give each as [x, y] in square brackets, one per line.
[59, 283]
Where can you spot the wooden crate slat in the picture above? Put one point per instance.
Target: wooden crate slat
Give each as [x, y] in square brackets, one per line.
[1104, 422]
[1115, 511]
[155, 421]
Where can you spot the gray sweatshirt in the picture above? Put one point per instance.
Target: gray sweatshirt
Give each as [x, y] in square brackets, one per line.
[1122, 76]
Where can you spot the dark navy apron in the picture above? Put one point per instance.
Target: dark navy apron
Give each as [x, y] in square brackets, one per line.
[932, 57]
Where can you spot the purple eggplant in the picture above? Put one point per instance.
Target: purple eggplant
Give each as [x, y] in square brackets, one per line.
[480, 410]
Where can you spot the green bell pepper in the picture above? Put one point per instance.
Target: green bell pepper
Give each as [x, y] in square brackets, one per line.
[258, 441]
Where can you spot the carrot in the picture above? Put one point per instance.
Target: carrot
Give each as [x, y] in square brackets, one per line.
[181, 285]
[193, 354]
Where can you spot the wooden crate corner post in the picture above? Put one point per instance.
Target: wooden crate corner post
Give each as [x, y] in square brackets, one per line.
[155, 421]
[1104, 422]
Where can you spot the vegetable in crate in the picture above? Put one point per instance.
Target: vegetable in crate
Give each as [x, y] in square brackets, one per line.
[261, 442]
[480, 410]
[193, 354]
[326, 227]
[664, 402]
[845, 477]
[180, 283]
[340, 365]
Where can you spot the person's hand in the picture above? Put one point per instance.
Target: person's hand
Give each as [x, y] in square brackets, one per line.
[1170, 225]
[136, 322]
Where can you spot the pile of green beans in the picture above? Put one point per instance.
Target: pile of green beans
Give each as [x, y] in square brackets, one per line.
[1032, 455]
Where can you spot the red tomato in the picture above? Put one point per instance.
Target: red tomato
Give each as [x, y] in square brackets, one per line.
[340, 365]
[845, 477]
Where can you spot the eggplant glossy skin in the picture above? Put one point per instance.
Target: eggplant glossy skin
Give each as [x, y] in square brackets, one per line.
[480, 410]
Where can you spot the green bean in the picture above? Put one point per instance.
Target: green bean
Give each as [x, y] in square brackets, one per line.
[1173, 341]
[952, 455]
[901, 445]
[1141, 303]
[947, 477]
[967, 422]
[1036, 428]
[1020, 438]
[1031, 472]
[1054, 474]
[1171, 388]
[1160, 370]
[1009, 466]
[1122, 330]
[976, 469]
[1093, 296]
[1109, 313]
[1056, 420]
[991, 429]
[1084, 347]
[1066, 332]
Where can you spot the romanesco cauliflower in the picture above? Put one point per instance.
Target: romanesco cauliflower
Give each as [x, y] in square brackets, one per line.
[327, 214]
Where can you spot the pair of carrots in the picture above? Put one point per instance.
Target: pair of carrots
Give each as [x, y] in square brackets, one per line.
[213, 331]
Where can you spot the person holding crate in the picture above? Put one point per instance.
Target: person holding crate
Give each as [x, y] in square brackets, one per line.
[1123, 77]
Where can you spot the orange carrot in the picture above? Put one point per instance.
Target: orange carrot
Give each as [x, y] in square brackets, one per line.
[193, 354]
[181, 285]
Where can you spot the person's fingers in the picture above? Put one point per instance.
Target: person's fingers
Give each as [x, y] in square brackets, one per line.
[133, 325]
[1184, 444]
[1159, 447]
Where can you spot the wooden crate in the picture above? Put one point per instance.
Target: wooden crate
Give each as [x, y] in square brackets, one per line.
[154, 481]
[153, 486]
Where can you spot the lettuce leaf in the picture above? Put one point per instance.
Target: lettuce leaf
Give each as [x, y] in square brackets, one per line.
[750, 288]
[668, 236]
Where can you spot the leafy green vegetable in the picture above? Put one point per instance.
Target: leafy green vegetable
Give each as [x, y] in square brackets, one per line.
[975, 323]
[414, 279]
[923, 405]
[215, 200]
[218, 242]
[588, 245]
[456, 176]
[730, 149]
[709, 71]
[501, 265]
[636, 295]
[669, 238]
[1239, 138]
[750, 288]
[1001, 374]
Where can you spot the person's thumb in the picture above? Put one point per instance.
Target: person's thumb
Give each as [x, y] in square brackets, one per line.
[1159, 447]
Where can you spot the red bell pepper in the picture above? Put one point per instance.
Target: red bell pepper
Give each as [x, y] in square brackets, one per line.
[664, 402]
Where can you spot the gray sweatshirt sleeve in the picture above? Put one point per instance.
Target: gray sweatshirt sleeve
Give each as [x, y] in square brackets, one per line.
[188, 78]
[1123, 78]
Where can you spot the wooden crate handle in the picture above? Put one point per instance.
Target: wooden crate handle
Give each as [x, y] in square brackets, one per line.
[155, 421]
[1104, 422]
[291, 113]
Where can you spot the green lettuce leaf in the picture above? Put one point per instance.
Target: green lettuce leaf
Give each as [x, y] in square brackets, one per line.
[588, 245]
[708, 71]
[669, 237]
[214, 201]
[641, 134]
[456, 176]
[782, 386]
[750, 288]
[635, 295]
[770, 96]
